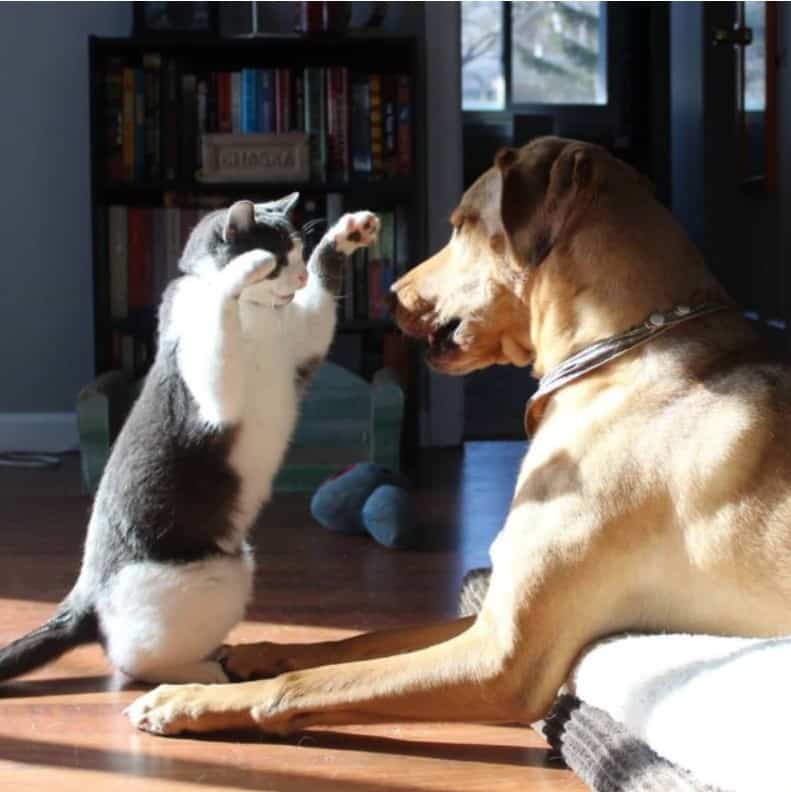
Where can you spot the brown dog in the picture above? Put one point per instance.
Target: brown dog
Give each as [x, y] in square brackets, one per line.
[655, 493]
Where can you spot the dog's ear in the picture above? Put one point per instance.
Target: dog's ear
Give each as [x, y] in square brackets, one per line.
[540, 198]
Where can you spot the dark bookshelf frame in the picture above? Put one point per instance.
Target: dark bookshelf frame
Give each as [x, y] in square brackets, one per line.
[358, 52]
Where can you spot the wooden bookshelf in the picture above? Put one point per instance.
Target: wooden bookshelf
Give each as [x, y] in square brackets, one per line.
[382, 192]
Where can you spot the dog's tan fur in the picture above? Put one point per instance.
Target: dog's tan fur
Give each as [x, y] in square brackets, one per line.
[655, 493]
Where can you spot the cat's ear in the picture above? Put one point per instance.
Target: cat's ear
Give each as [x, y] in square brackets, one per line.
[240, 220]
[281, 205]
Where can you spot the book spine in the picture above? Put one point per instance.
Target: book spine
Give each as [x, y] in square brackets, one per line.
[344, 100]
[158, 254]
[404, 133]
[128, 113]
[387, 247]
[151, 121]
[117, 253]
[334, 208]
[377, 133]
[171, 130]
[202, 117]
[282, 100]
[337, 123]
[315, 121]
[189, 120]
[114, 120]
[250, 101]
[212, 102]
[173, 244]
[389, 125]
[236, 102]
[359, 127]
[189, 219]
[298, 102]
[140, 126]
[401, 234]
[267, 98]
[225, 124]
[137, 259]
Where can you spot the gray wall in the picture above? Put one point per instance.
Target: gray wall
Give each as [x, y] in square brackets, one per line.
[46, 338]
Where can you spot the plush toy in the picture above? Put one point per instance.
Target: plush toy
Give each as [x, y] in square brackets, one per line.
[368, 498]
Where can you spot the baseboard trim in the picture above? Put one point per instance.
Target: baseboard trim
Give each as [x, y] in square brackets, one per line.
[38, 431]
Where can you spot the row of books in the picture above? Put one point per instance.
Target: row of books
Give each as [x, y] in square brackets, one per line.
[144, 246]
[359, 125]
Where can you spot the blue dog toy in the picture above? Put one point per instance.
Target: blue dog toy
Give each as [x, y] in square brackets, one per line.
[371, 499]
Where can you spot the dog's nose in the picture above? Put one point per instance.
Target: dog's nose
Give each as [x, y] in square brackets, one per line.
[391, 301]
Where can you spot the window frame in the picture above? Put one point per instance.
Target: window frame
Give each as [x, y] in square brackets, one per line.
[596, 113]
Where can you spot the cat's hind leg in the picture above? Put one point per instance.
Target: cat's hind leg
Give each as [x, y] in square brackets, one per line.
[162, 622]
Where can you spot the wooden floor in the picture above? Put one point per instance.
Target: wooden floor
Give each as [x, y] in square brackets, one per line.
[62, 729]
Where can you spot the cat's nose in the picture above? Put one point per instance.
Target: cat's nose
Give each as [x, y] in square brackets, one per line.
[302, 280]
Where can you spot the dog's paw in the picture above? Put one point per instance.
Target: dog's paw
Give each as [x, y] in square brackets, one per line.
[245, 270]
[353, 231]
[167, 710]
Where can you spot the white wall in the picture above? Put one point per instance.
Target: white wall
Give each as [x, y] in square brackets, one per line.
[46, 314]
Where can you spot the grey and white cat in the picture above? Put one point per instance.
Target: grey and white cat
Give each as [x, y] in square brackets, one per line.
[166, 570]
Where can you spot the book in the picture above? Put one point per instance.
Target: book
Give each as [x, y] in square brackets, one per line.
[224, 117]
[139, 274]
[389, 130]
[173, 243]
[375, 268]
[387, 255]
[117, 243]
[114, 119]
[152, 63]
[334, 207]
[249, 101]
[189, 125]
[202, 121]
[282, 100]
[266, 101]
[359, 125]
[158, 254]
[171, 123]
[212, 101]
[316, 121]
[128, 120]
[377, 130]
[236, 101]
[402, 251]
[404, 130]
[139, 168]
[337, 123]
[298, 102]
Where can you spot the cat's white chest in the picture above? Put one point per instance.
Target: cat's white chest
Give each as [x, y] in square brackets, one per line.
[269, 408]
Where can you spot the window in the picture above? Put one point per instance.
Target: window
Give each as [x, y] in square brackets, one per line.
[482, 70]
[533, 52]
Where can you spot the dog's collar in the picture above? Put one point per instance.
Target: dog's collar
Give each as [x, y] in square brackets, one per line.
[600, 353]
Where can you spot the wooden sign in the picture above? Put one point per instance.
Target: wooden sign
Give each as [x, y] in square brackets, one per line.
[255, 158]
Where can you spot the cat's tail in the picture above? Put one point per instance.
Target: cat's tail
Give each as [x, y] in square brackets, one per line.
[73, 624]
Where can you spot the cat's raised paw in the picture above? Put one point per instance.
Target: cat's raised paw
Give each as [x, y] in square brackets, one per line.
[353, 231]
[247, 269]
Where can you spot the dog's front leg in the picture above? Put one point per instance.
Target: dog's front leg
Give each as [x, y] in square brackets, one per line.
[464, 679]
[265, 659]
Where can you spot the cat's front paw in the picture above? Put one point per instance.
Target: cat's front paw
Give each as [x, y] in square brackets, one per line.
[245, 270]
[354, 230]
